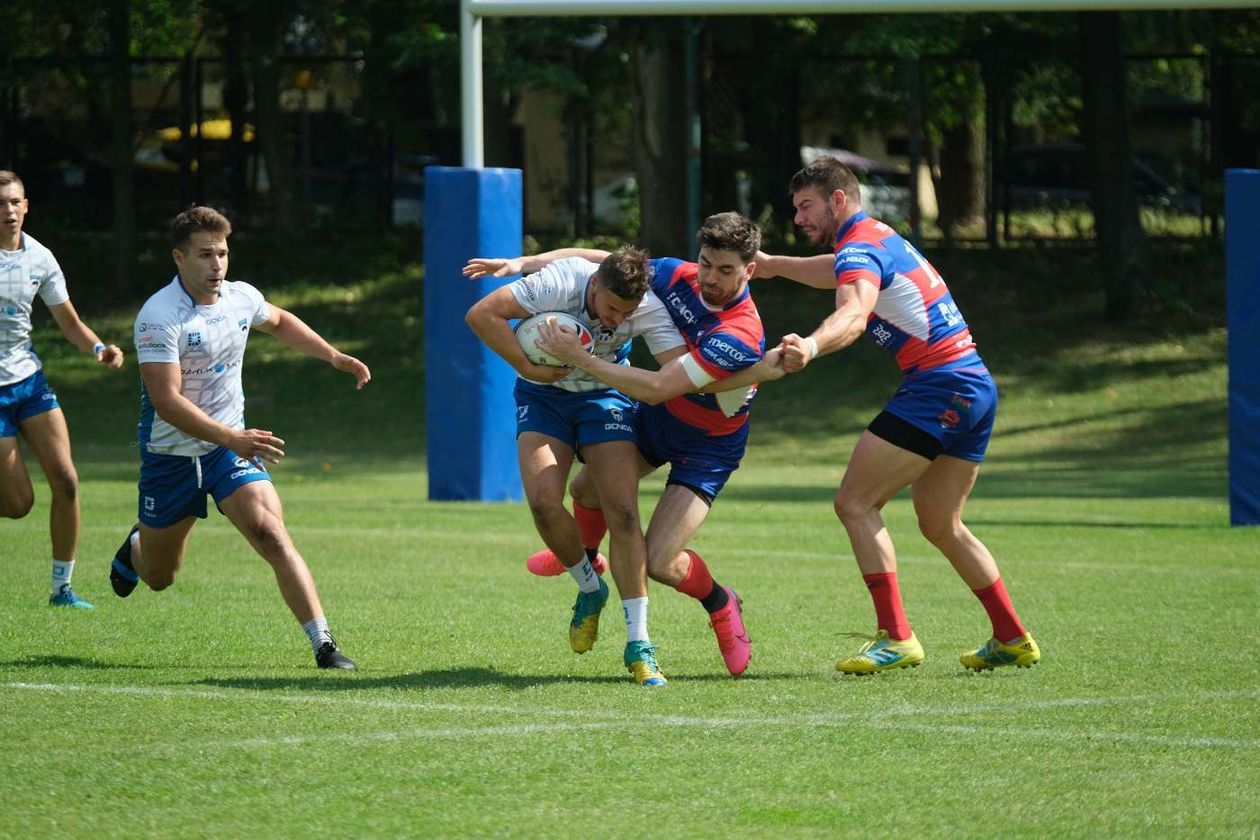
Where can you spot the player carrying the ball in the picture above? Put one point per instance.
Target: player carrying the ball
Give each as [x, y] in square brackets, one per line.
[562, 414]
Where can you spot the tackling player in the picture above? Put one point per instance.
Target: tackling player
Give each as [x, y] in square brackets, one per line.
[190, 343]
[932, 434]
[563, 414]
[28, 405]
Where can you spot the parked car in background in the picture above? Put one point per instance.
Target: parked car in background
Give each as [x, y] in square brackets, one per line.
[885, 187]
[1057, 176]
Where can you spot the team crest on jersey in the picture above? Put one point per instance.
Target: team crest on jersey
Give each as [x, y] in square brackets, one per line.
[949, 419]
[243, 324]
[194, 339]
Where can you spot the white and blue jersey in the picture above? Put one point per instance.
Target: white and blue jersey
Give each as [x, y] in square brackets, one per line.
[29, 271]
[207, 341]
[563, 286]
[579, 409]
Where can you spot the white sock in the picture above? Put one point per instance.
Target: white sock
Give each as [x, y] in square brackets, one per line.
[317, 631]
[584, 574]
[61, 572]
[635, 611]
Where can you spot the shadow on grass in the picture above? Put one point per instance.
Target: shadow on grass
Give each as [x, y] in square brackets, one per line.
[47, 661]
[446, 678]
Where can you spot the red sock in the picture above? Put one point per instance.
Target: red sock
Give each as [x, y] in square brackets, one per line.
[997, 604]
[886, 595]
[698, 583]
[591, 525]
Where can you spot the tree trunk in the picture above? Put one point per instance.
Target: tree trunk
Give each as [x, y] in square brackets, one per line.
[264, 23]
[121, 152]
[660, 141]
[1117, 227]
[961, 187]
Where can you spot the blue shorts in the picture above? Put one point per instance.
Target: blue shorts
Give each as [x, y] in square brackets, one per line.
[25, 398]
[174, 487]
[957, 407]
[697, 459]
[578, 419]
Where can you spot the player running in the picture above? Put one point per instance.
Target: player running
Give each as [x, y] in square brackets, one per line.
[28, 405]
[563, 414]
[694, 414]
[190, 343]
[932, 434]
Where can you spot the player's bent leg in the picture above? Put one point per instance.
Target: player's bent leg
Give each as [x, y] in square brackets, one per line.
[544, 463]
[939, 496]
[17, 496]
[158, 554]
[877, 470]
[256, 511]
[49, 438]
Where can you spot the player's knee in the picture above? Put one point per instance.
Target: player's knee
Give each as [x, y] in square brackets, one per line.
[583, 491]
[547, 511]
[64, 482]
[269, 537]
[850, 508]
[16, 505]
[622, 518]
[938, 529]
[158, 579]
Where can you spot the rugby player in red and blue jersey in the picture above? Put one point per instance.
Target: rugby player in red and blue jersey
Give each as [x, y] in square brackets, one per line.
[694, 411]
[932, 434]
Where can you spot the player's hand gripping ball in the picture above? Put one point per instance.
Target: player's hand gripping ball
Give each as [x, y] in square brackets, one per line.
[527, 335]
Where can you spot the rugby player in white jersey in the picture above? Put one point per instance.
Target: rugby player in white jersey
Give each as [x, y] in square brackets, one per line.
[28, 405]
[563, 414]
[190, 343]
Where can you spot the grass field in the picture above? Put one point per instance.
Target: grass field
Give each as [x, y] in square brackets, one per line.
[198, 712]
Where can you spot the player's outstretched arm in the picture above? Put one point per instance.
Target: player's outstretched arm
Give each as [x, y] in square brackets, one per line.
[767, 369]
[81, 335]
[488, 319]
[479, 267]
[162, 381]
[854, 303]
[294, 333]
[818, 271]
[650, 386]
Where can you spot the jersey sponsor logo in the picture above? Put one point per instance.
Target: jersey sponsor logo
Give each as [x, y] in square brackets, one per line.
[10, 310]
[724, 353]
[521, 412]
[959, 401]
[881, 334]
[217, 319]
[194, 339]
[150, 504]
[217, 369]
[949, 312]
[617, 427]
[678, 305]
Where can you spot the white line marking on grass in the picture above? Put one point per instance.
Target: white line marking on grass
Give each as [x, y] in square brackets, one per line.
[877, 719]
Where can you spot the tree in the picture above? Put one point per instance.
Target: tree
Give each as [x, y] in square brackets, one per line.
[1118, 230]
[660, 136]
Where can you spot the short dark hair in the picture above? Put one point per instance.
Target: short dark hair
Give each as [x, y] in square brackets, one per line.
[624, 272]
[826, 174]
[7, 177]
[195, 220]
[730, 232]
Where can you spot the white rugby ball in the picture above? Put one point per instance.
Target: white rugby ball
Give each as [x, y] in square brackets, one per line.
[527, 335]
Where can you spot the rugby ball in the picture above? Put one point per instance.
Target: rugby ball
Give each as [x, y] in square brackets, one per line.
[527, 335]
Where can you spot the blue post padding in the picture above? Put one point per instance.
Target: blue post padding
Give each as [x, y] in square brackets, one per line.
[468, 389]
[1242, 272]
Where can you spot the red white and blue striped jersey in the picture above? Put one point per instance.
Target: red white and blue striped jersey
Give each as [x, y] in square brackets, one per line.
[915, 317]
[721, 341]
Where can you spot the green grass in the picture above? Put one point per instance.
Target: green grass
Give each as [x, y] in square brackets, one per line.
[197, 711]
